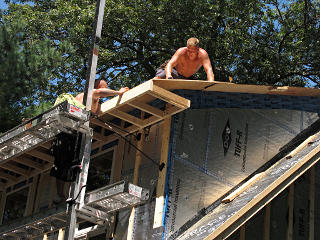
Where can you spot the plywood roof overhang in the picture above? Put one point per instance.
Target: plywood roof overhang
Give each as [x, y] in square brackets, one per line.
[234, 88]
[144, 98]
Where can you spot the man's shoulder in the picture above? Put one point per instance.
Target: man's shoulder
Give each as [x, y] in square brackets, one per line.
[203, 52]
[182, 50]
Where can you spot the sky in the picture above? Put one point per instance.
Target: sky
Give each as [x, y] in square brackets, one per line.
[2, 4]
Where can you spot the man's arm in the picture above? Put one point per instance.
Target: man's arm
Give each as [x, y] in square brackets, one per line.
[172, 63]
[207, 67]
[106, 92]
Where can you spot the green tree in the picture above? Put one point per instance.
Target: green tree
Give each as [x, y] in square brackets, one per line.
[25, 69]
[254, 41]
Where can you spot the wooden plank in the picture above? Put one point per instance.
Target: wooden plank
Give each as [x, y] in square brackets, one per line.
[158, 212]
[135, 181]
[170, 97]
[243, 187]
[101, 123]
[15, 169]
[243, 232]
[47, 145]
[7, 176]
[29, 163]
[266, 229]
[301, 146]
[117, 161]
[232, 87]
[32, 196]
[53, 189]
[60, 218]
[2, 186]
[41, 186]
[98, 144]
[264, 194]
[312, 204]
[41, 155]
[120, 129]
[172, 109]
[100, 137]
[31, 174]
[126, 117]
[174, 84]
[130, 95]
[147, 108]
[2, 204]
[61, 234]
[290, 212]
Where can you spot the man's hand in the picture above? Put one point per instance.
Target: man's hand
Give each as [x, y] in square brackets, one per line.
[123, 90]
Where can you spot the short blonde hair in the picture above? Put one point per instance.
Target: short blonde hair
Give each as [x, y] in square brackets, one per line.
[193, 42]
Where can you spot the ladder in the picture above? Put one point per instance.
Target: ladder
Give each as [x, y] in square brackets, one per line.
[101, 203]
[98, 209]
[27, 137]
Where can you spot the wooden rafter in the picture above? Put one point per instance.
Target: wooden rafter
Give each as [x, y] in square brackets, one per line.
[44, 156]
[233, 87]
[13, 168]
[29, 163]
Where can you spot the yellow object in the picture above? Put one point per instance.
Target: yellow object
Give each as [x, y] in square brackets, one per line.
[68, 97]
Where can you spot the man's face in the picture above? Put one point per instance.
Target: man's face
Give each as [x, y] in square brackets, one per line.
[192, 52]
[102, 84]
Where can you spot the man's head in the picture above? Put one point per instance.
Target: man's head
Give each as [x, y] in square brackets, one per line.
[100, 83]
[192, 48]
[193, 42]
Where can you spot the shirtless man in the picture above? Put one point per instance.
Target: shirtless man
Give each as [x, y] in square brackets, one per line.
[100, 90]
[186, 62]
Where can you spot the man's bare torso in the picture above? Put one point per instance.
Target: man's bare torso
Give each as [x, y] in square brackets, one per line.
[187, 67]
[94, 105]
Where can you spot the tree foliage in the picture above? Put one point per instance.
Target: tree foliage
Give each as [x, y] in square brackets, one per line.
[253, 41]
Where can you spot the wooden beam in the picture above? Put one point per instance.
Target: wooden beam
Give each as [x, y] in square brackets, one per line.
[266, 229]
[312, 204]
[31, 174]
[61, 234]
[7, 176]
[242, 188]
[243, 232]
[290, 212]
[29, 163]
[158, 213]
[15, 169]
[130, 95]
[3, 199]
[31, 196]
[147, 108]
[43, 156]
[263, 195]
[232, 87]
[120, 129]
[127, 117]
[100, 137]
[301, 146]
[135, 181]
[117, 162]
[41, 185]
[59, 218]
[170, 97]
[53, 189]
[97, 144]
[47, 145]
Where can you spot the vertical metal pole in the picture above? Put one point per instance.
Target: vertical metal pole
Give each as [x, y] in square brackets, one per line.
[85, 150]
